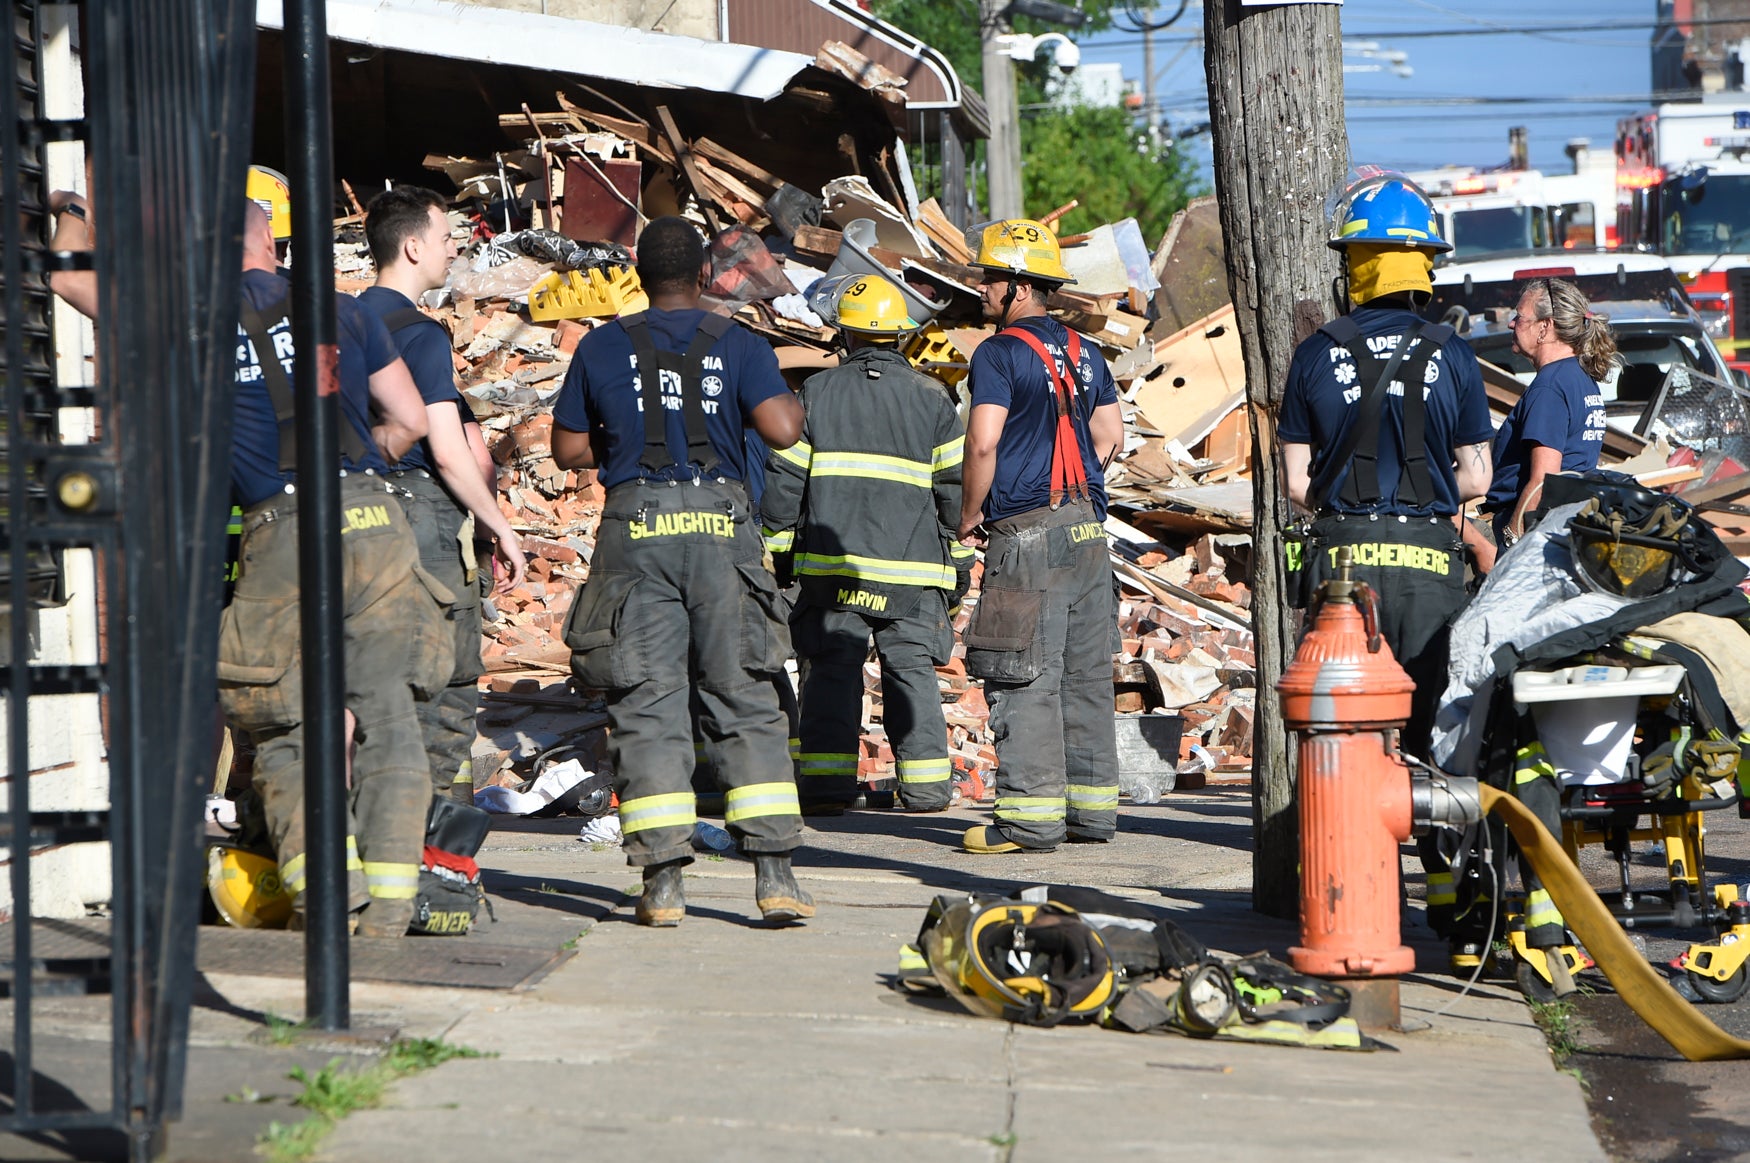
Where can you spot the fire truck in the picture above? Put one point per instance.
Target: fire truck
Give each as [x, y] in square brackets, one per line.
[1683, 191]
[1488, 212]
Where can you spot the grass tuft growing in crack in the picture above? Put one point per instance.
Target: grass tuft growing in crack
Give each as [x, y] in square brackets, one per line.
[333, 1092]
[1556, 1020]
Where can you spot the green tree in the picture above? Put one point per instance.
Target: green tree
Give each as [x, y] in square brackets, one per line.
[1100, 156]
[1114, 167]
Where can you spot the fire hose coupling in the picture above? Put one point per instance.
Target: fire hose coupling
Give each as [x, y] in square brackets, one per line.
[1438, 800]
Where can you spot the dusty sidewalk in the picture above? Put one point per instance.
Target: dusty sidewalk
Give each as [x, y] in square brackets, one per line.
[723, 1040]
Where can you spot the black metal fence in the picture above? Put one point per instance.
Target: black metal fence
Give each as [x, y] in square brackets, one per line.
[168, 86]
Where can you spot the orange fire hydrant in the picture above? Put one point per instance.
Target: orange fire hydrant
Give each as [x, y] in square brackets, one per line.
[1345, 694]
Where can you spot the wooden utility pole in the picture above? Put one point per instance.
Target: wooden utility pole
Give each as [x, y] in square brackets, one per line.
[1003, 150]
[1276, 112]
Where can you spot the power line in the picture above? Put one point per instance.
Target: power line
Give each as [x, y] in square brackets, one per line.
[1561, 99]
[1635, 25]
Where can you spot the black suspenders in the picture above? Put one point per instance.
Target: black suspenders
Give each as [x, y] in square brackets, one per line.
[1360, 451]
[690, 368]
[257, 325]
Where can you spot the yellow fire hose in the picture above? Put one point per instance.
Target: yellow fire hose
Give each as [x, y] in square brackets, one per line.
[1636, 982]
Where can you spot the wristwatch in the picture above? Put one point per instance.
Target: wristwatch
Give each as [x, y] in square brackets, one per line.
[75, 210]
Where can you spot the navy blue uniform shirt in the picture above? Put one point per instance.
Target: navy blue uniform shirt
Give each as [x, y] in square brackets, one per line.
[1321, 405]
[425, 347]
[365, 348]
[602, 390]
[1006, 372]
[1561, 408]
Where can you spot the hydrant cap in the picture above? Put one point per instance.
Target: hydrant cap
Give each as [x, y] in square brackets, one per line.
[1336, 680]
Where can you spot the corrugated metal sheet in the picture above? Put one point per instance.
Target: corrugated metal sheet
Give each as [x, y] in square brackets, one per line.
[557, 44]
[802, 26]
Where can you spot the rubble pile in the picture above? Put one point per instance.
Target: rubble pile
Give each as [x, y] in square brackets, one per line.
[543, 231]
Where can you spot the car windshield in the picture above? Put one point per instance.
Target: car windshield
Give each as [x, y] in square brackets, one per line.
[1712, 216]
[1649, 352]
[1487, 231]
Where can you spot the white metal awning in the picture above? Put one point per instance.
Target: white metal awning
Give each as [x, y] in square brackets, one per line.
[472, 32]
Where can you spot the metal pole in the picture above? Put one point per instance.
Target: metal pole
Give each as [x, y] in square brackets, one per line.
[308, 148]
[1151, 119]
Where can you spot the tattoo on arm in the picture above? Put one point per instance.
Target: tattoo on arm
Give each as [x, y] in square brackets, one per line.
[1477, 454]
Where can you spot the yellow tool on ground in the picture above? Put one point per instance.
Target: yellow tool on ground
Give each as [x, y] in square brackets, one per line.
[587, 294]
[934, 354]
[1636, 982]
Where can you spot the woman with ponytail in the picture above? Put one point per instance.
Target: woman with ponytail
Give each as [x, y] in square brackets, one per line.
[1558, 424]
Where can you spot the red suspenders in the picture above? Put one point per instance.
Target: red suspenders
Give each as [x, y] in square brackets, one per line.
[1069, 475]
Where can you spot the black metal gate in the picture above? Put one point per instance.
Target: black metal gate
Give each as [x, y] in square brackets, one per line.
[168, 85]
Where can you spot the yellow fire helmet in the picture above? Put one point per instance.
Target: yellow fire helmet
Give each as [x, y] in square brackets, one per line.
[872, 305]
[270, 190]
[1038, 964]
[246, 889]
[1019, 246]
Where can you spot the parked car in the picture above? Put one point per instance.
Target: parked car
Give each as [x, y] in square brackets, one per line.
[1655, 325]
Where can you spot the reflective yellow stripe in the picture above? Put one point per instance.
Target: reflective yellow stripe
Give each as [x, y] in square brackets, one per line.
[876, 569]
[1045, 808]
[924, 770]
[871, 466]
[795, 748]
[292, 872]
[670, 810]
[826, 762]
[798, 454]
[1440, 890]
[390, 881]
[1093, 797]
[235, 525]
[1532, 763]
[781, 542]
[464, 772]
[910, 960]
[760, 799]
[950, 454]
[1540, 910]
[959, 552]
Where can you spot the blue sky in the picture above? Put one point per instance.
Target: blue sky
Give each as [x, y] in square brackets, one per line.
[1599, 64]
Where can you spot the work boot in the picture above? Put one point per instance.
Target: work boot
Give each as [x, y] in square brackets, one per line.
[384, 917]
[988, 840]
[664, 902]
[775, 889]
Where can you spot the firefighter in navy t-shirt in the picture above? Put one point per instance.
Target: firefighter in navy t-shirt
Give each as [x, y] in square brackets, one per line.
[678, 598]
[445, 477]
[1385, 436]
[396, 636]
[1044, 422]
[1385, 467]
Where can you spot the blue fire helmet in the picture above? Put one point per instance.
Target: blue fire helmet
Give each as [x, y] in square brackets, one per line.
[1387, 210]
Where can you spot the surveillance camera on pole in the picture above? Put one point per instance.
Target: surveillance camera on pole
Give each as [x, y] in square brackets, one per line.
[1066, 55]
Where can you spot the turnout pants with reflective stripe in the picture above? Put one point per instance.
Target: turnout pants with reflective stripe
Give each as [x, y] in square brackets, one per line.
[1042, 637]
[831, 647]
[679, 601]
[1416, 567]
[705, 763]
[446, 721]
[396, 640]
